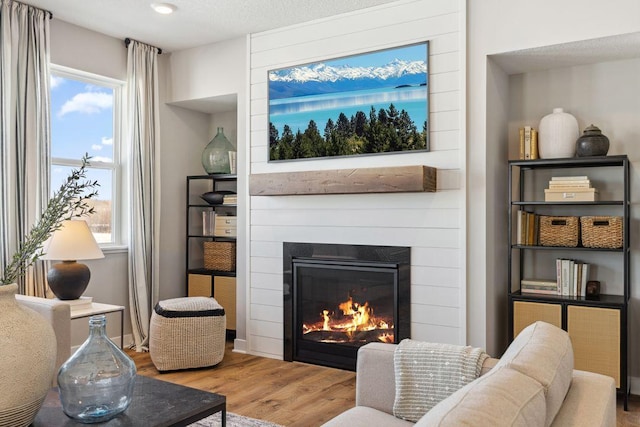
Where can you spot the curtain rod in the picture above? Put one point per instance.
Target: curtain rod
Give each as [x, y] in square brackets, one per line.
[128, 40]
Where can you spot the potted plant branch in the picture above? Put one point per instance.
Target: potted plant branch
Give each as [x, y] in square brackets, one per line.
[28, 373]
[69, 201]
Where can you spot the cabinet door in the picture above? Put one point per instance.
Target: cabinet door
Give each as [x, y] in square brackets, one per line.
[526, 313]
[199, 285]
[595, 336]
[224, 291]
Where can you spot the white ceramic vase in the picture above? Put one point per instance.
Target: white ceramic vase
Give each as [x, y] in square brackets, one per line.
[28, 355]
[557, 135]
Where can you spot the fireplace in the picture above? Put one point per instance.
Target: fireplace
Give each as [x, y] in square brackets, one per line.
[338, 298]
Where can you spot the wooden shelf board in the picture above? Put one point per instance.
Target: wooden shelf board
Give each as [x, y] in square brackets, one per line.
[397, 179]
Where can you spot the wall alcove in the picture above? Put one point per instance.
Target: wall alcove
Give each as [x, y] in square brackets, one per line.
[596, 80]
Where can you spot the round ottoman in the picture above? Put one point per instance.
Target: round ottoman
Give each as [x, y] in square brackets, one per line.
[187, 333]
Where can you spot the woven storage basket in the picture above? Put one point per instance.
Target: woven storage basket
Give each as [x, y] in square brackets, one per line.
[601, 231]
[559, 231]
[220, 256]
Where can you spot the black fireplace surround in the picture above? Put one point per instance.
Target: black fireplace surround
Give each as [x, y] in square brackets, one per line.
[339, 297]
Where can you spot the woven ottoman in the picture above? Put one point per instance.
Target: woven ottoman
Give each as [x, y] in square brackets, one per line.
[187, 333]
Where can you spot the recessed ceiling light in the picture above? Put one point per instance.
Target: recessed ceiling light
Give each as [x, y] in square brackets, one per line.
[164, 8]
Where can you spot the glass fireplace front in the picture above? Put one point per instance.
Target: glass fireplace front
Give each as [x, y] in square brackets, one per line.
[338, 305]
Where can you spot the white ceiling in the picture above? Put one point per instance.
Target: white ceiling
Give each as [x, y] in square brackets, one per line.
[195, 22]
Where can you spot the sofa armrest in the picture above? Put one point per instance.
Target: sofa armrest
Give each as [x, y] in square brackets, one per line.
[375, 377]
[58, 314]
[590, 402]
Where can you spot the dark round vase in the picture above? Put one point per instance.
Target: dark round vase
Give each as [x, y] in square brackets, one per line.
[592, 143]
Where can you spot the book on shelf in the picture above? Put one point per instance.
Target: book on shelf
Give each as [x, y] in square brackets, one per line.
[580, 183]
[570, 178]
[539, 291]
[534, 144]
[527, 228]
[572, 277]
[572, 195]
[528, 143]
[584, 278]
[539, 282]
[230, 199]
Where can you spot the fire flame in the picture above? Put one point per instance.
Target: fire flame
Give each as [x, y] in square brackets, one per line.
[355, 317]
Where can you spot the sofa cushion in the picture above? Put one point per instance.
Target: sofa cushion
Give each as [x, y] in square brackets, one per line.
[590, 401]
[543, 352]
[363, 416]
[503, 397]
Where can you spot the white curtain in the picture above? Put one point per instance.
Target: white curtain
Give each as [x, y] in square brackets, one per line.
[24, 131]
[144, 173]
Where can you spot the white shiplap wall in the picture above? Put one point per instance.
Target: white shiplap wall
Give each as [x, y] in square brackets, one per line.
[432, 224]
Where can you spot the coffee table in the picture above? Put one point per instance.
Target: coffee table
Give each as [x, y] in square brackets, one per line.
[155, 403]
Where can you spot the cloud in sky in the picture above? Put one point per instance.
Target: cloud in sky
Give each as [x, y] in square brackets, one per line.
[55, 81]
[107, 141]
[96, 147]
[87, 103]
[101, 159]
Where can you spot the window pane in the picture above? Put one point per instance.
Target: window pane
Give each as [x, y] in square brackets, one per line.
[81, 120]
[101, 222]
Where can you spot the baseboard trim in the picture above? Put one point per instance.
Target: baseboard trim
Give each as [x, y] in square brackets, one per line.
[239, 346]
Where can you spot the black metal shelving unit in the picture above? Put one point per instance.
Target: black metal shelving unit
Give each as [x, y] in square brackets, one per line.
[194, 203]
[522, 170]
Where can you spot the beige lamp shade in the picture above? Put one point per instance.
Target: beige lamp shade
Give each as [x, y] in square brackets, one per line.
[72, 241]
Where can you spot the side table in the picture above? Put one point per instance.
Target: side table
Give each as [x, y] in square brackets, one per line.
[99, 308]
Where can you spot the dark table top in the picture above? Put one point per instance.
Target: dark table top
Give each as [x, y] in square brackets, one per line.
[155, 403]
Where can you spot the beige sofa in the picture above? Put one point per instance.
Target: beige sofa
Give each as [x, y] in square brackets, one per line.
[533, 384]
[57, 313]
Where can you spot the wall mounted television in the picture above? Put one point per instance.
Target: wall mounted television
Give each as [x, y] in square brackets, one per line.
[369, 103]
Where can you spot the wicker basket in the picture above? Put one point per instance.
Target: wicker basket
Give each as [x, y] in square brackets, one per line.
[601, 231]
[220, 256]
[559, 231]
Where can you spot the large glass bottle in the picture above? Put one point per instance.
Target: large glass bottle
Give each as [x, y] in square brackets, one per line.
[215, 157]
[96, 383]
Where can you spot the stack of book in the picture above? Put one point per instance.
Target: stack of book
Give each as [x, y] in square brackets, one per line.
[528, 143]
[570, 189]
[539, 286]
[527, 228]
[230, 199]
[572, 277]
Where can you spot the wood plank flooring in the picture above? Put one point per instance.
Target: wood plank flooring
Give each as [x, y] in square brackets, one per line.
[290, 394]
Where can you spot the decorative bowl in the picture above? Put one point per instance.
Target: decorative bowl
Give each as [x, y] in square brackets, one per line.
[213, 197]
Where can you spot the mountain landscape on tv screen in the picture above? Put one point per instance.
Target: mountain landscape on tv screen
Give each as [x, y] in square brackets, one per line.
[322, 79]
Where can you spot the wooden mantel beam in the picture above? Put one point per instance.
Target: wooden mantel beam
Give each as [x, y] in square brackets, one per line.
[397, 179]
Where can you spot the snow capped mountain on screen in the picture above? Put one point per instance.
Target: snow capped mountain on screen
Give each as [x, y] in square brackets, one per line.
[325, 73]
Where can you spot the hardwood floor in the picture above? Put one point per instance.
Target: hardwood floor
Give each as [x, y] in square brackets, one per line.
[290, 394]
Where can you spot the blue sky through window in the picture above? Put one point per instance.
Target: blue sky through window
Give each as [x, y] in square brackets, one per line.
[81, 122]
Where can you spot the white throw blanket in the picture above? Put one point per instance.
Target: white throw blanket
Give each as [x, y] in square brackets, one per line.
[427, 373]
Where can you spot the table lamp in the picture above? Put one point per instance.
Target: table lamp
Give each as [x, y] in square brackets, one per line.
[71, 242]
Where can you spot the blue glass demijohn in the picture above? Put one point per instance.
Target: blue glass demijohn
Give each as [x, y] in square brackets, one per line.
[96, 383]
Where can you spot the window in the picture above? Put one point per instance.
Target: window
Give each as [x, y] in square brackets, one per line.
[85, 118]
